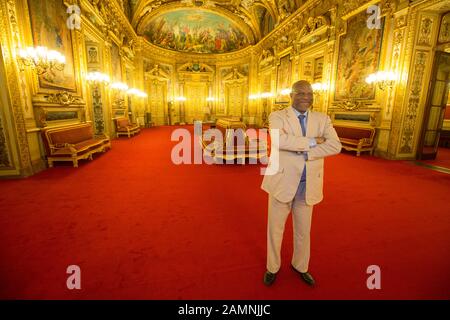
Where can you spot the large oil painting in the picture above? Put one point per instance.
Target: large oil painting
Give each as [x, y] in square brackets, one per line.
[359, 52]
[190, 30]
[283, 79]
[49, 29]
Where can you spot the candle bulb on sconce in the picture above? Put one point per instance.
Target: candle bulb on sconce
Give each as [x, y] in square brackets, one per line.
[120, 86]
[42, 60]
[286, 91]
[136, 92]
[384, 79]
[319, 87]
[266, 95]
[97, 78]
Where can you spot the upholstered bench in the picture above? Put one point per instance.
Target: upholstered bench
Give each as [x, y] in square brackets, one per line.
[72, 143]
[357, 139]
[235, 144]
[125, 128]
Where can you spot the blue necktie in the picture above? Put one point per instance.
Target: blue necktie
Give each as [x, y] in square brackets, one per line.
[302, 118]
[302, 123]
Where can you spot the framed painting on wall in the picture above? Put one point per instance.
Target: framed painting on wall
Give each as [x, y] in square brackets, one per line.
[283, 79]
[359, 54]
[49, 29]
[116, 63]
[318, 69]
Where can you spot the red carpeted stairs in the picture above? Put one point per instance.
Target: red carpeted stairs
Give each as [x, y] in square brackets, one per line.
[141, 227]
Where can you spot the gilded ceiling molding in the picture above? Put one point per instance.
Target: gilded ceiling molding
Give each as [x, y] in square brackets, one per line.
[169, 56]
[351, 7]
[313, 25]
[292, 23]
[112, 17]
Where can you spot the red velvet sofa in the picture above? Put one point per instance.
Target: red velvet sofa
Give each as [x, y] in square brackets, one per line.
[234, 134]
[72, 143]
[125, 128]
[357, 139]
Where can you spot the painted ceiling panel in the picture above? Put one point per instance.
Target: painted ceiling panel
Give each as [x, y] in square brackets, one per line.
[194, 30]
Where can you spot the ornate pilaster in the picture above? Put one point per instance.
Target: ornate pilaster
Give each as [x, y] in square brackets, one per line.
[10, 37]
[420, 44]
[415, 93]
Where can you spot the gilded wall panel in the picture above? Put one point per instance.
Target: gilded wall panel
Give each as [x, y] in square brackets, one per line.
[157, 99]
[195, 104]
[414, 98]
[5, 160]
[10, 38]
[444, 30]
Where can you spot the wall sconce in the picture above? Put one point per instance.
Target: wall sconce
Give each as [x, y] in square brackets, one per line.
[384, 79]
[210, 99]
[260, 95]
[181, 98]
[97, 78]
[138, 93]
[286, 91]
[266, 94]
[319, 87]
[42, 60]
[119, 86]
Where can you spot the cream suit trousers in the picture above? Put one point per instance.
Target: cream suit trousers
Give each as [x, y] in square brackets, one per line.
[301, 216]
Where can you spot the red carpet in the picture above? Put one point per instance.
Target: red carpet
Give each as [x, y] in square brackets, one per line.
[142, 228]
[442, 158]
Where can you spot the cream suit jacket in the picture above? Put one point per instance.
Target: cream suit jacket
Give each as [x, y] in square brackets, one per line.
[284, 183]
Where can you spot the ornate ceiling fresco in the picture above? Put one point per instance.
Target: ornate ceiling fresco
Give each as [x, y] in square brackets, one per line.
[193, 30]
[207, 26]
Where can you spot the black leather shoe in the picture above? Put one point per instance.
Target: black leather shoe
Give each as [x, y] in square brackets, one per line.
[306, 277]
[269, 278]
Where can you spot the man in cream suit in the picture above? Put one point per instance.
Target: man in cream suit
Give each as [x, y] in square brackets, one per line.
[305, 138]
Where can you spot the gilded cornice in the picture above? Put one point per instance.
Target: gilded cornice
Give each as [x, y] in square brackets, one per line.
[171, 56]
[351, 7]
[293, 23]
[111, 18]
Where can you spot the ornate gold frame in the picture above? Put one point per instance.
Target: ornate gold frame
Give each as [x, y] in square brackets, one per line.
[40, 94]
